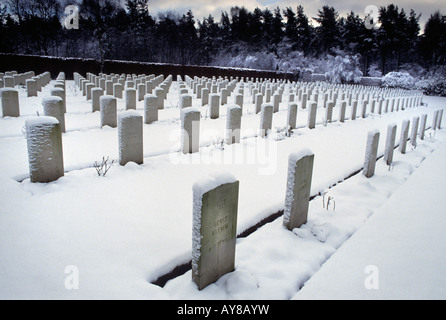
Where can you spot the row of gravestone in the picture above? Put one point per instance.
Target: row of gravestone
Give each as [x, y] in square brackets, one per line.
[130, 126]
[10, 95]
[132, 88]
[10, 79]
[215, 202]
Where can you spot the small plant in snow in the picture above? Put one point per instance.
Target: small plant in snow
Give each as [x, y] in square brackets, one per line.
[103, 167]
[73, 90]
[328, 202]
[219, 143]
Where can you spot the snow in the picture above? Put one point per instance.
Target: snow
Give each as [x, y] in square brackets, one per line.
[38, 121]
[126, 229]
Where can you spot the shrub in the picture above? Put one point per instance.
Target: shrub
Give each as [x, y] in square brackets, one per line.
[402, 80]
[433, 87]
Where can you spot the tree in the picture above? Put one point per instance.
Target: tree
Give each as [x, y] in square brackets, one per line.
[328, 34]
[433, 42]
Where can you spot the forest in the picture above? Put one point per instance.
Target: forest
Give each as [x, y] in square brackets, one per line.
[280, 39]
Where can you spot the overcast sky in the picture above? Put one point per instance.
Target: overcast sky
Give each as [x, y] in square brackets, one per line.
[202, 8]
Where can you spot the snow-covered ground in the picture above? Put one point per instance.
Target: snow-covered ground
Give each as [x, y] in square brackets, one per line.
[117, 233]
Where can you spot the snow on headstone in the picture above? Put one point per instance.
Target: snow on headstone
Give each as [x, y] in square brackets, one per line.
[10, 102]
[130, 129]
[215, 206]
[371, 153]
[233, 124]
[109, 113]
[44, 142]
[390, 143]
[297, 199]
[53, 107]
[190, 130]
[266, 119]
[404, 136]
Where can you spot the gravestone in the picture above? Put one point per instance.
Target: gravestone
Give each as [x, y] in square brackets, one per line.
[204, 96]
[8, 82]
[109, 113]
[304, 101]
[404, 135]
[276, 100]
[312, 115]
[117, 90]
[159, 92]
[10, 102]
[439, 117]
[342, 111]
[53, 107]
[185, 101]
[297, 199]
[414, 132]
[266, 119]
[214, 105]
[96, 94]
[233, 124]
[390, 143]
[44, 142]
[130, 131]
[370, 153]
[422, 126]
[292, 115]
[364, 109]
[215, 206]
[141, 91]
[59, 92]
[259, 102]
[238, 100]
[150, 108]
[190, 130]
[354, 108]
[224, 96]
[31, 88]
[329, 111]
[130, 98]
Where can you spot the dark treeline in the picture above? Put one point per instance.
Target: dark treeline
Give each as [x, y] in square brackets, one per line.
[261, 38]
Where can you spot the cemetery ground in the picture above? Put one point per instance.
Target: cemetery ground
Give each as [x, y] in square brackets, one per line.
[117, 234]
